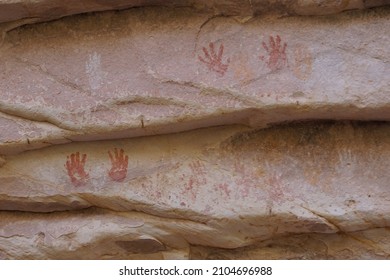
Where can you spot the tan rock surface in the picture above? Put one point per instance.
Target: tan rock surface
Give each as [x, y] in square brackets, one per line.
[368, 244]
[224, 188]
[42, 10]
[155, 71]
[213, 136]
[95, 234]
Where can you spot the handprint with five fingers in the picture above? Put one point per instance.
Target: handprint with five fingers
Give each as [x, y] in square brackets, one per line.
[119, 162]
[277, 58]
[75, 167]
[213, 60]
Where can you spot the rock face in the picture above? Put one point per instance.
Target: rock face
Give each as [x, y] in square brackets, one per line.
[224, 188]
[40, 10]
[164, 133]
[153, 71]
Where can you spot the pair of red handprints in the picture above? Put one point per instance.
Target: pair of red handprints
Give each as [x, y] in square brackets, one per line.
[276, 52]
[79, 177]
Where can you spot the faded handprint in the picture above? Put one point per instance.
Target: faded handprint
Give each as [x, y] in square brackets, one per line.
[75, 167]
[119, 163]
[199, 170]
[303, 62]
[224, 188]
[214, 60]
[242, 69]
[277, 58]
[244, 178]
[196, 179]
[276, 189]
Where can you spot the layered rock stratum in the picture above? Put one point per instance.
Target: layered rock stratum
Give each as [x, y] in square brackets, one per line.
[43, 10]
[197, 130]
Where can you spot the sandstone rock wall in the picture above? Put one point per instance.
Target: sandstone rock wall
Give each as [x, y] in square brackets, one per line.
[41, 10]
[153, 71]
[161, 132]
[224, 188]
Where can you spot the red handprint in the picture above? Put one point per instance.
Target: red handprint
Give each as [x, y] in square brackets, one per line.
[276, 52]
[75, 167]
[214, 60]
[119, 163]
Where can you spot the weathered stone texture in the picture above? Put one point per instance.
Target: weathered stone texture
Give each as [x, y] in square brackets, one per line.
[41, 10]
[222, 136]
[368, 244]
[224, 188]
[153, 71]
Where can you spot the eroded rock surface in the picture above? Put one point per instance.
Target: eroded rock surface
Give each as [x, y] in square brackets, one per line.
[367, 244]
[41, 10]
[164, 133]
[154, 71]
[224, 188]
